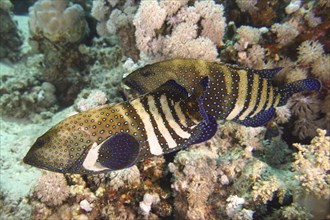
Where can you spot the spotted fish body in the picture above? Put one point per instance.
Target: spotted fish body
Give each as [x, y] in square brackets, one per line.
[232, 93]
[183, 99]
[153, 124]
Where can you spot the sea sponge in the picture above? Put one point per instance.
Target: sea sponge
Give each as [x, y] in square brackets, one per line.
[309, 51]
[51, 188]
[312, 165]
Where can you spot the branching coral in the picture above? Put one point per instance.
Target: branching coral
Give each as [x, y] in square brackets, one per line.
[194, 183]
[312, 165]
[264, 190]
[51, 189]
[179, 38]
[116, 18]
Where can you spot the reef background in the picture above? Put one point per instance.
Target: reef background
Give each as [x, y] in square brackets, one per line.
[58, 57]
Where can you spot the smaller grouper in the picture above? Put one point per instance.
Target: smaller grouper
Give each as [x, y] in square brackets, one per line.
[181, 102]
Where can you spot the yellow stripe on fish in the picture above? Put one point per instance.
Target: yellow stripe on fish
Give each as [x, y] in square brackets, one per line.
[180, 103]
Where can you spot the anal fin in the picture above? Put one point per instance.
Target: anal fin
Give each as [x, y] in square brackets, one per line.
[204, 130]
[259, 119]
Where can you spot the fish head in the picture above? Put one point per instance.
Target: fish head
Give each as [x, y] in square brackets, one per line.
[67, 148]
[60, 149]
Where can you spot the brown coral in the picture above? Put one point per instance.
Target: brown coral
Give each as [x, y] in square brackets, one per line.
[312, 165]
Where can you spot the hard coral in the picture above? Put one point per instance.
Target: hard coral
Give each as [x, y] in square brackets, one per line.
[58, 21]
[51, 189]
[312, 165]
[10, 37]
[194, 182]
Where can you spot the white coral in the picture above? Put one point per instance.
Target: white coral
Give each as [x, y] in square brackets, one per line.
[309, 51]
[293, 6]
[305, 106]
[51, 189]
[247, 36]
[247, 5]
[148, 201]
[321, 68]
[285, 32]
[296, 74]
[171, 6]
[95, 98]
[283, 114]
[184, 41]
[57, 20]
[213, 22]
[126, 177]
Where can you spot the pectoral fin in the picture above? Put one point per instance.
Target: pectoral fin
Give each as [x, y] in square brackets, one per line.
[119, 151]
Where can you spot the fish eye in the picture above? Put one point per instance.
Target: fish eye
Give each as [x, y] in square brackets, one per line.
[40, 143]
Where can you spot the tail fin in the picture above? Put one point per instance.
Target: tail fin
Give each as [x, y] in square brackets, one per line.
[298, 86]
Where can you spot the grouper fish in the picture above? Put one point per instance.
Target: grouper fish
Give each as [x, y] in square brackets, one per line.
[181, 101]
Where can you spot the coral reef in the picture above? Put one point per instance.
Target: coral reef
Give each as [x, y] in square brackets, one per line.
[312, 164]
[171, 31]
[115, 18]
[10, 37]
[56, 29]
[24, 95]
[241, 173]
